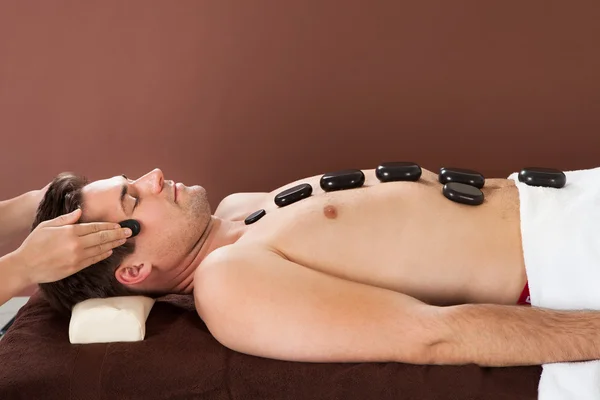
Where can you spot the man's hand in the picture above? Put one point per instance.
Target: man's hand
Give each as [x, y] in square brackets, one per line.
[58, 248]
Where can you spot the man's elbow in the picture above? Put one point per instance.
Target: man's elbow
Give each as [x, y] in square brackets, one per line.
[443, 341]
[430, 342]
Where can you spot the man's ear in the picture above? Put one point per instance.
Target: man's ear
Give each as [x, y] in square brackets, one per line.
[130, 274]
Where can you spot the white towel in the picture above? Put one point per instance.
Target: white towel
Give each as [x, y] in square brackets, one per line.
[560, 230]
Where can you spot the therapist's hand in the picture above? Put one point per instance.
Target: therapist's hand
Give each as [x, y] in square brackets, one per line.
[58, 248]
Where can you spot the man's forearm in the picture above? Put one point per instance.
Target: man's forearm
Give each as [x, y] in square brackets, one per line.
[496, 335]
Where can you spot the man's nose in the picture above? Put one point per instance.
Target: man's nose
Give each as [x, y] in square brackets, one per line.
[153, 181]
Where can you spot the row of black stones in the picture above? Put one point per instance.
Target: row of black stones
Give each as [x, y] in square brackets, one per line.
[459, 185]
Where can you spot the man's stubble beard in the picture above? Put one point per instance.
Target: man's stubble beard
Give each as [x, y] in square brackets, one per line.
[199, 212]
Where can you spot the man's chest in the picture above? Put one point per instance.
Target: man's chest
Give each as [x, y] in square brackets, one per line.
[238, 206]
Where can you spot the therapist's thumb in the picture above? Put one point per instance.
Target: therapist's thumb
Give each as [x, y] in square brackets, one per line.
[65, 219]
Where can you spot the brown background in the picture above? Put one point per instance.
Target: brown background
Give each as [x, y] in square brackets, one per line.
[247, 95]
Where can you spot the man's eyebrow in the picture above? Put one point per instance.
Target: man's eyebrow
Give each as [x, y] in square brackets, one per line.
[123, 193]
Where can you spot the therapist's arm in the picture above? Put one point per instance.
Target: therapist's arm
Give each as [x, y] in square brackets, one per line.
[13, 279]
[17, 214]
[56, 249]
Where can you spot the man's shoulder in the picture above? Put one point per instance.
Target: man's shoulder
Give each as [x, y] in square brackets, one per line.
[216, 278]
[218, 256]
[224, 259]
[207, 277]
[237, 204]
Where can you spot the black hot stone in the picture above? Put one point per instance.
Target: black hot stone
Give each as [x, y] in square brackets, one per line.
[294, 194]
[131, 224]
[460, 175]
[398, 171]
[340, 180]
[547, 177]
[255, 216]
[463, 193]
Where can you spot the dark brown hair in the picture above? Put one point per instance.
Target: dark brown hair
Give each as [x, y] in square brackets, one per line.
[96, 281]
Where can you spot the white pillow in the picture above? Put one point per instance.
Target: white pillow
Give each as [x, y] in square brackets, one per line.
[114, 319]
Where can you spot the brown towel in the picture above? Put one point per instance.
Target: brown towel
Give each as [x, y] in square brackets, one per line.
[181, 360]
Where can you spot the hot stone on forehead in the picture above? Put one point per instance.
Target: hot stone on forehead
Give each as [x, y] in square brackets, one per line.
[132, 224]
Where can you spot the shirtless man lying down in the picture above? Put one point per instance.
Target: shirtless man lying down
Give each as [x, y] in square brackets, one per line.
[385, 272]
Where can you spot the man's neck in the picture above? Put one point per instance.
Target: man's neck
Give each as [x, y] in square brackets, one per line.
[218, 233]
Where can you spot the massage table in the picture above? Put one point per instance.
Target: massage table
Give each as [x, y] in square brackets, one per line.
[195, 87]
[180, 359]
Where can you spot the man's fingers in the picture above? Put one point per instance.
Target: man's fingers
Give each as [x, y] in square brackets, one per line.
[94, 259]
[101, 248]
[65, 219]
[94, 227]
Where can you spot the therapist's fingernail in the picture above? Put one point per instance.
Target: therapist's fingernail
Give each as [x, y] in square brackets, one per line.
[127, 232]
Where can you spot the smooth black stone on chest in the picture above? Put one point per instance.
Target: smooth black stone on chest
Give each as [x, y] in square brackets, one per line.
[461, 175]
[545, 177]
[341, 180]
[398, 171]
[132, 224]
[255, 216]
[292, 195]
[463, 193]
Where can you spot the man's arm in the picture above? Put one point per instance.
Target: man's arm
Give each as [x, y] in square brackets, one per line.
[256, 302]
[504, 336]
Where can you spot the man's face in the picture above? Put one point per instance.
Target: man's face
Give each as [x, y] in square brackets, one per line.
[172, 217]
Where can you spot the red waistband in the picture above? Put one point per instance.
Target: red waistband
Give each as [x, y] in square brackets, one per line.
[525, 299]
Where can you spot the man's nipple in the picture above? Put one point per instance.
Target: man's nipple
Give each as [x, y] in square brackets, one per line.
[330, 212]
